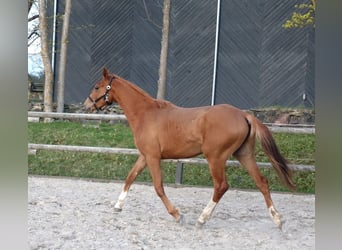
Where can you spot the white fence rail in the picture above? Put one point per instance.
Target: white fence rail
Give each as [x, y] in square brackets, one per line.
[180, 162]
[76, 116]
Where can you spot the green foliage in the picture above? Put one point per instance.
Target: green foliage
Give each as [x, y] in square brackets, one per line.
[304, 16]
[298, 149]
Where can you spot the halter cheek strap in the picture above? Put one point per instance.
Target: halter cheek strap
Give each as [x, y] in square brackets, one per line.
[104, 96]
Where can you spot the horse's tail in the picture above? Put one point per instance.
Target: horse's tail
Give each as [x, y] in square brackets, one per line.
[270, 148]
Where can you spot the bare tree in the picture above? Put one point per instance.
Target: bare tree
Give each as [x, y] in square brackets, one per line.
[164, 49]
[63, 57]
[33, 34]
[29, 5]
[48, 85]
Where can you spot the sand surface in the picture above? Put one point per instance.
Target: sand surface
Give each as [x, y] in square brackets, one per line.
[78, 214]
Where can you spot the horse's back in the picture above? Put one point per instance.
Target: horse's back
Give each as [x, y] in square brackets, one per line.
[196, 122]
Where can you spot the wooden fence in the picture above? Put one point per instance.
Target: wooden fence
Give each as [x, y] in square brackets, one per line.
[276, 128]
[180, 162]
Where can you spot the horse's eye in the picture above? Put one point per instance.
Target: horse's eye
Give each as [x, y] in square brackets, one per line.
[96, 88]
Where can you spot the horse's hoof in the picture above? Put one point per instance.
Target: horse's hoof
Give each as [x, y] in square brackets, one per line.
[181, 219]
[199, 224]
[280, 226]
[117, 210]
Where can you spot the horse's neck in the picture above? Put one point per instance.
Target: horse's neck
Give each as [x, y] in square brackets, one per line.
[133, 101]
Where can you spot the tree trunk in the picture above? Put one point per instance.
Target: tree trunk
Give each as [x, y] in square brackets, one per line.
[63, 57]
[164, 50]
[48, 85]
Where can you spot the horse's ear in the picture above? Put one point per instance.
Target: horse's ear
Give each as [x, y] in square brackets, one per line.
[105, 73]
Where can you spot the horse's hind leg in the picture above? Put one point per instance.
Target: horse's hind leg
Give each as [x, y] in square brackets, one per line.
[249, 162]
[139, 165]
[217, 170]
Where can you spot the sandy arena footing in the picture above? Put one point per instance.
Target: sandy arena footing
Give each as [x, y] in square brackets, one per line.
[78, 214]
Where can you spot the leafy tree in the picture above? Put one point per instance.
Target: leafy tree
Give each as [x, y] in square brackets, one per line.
[305, 16]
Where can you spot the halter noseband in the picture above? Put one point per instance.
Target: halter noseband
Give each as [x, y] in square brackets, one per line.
[104, 96]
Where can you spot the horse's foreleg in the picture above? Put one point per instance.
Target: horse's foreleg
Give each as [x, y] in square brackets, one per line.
[217, 170]
[250, 164]
[155, 171]
[139, 166]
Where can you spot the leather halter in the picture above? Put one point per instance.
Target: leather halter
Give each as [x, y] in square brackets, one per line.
[104, 96]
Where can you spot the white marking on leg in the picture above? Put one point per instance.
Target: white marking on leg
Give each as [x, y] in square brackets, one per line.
[275, 216]
[207, 212]
[121, 201]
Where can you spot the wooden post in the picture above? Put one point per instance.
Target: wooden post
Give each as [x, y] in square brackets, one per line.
[63, 57]
[164, 49]
[179, 173]
[48, 85]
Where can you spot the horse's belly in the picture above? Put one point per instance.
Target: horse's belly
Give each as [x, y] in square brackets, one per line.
[180, 151]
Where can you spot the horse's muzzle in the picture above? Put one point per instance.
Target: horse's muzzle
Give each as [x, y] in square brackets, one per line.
[88, 105]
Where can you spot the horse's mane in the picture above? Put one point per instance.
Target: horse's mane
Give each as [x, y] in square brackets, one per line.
[157, 102]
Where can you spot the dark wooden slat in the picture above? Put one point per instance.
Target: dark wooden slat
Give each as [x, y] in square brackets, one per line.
[259, 62]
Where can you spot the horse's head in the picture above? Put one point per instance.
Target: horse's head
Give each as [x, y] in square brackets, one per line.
[101, 94]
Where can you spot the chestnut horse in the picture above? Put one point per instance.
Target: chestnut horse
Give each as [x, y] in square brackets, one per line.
[164, 131]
